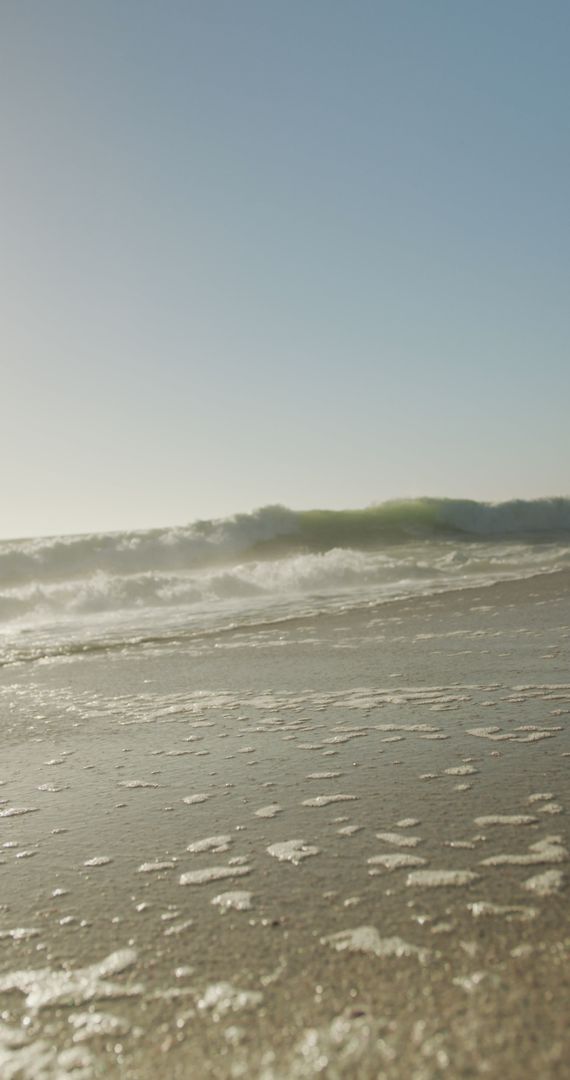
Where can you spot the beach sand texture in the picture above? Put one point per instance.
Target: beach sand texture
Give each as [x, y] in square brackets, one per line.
[328, 847]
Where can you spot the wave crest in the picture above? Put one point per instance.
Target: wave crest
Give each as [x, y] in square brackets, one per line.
[276, 550]
[276, 529]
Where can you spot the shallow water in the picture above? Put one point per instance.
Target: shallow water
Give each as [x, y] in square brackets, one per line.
[211, 856]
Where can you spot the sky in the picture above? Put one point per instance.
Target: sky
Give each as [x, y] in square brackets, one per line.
[307, 252]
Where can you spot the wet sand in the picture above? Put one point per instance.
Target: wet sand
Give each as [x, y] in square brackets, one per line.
[331, 847]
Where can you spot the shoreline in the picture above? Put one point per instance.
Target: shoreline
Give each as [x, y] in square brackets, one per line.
[137, 639]
[416, 751]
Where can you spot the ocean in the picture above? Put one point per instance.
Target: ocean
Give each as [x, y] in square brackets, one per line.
[285, 797]
[68, 594]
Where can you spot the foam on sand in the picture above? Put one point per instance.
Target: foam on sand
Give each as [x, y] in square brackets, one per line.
[434, 879]
[210, 843]
[397, 840]
[516, 911]
[325, 800]
[547, 850]
[213, 873]
[366, 939]
[91, 1025]
[505, 819]
[395, 860]
[292, 851]
[323, 775]
[20, 933]
[26, 1058]
[546, 884]
[222, 998]
[46, 987]
[238, 900]
[155, 867]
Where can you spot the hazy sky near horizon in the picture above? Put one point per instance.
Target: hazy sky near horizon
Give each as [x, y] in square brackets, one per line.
[300, 251]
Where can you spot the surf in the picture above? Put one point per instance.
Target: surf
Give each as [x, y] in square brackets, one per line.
[275, 556]
[277, 530]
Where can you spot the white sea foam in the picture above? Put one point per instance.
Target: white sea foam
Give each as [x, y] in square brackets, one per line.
[95, 1025]
[137, 784]
[268, 811]
[395, 860]
[325, 800]
[323, 775]
[366, 939]
[292, 851]
[433, 879]
[546, 884]
[54, 558]
[505, 819]
[20, 933]
[213, 873]
[23, 1057]
[237, 900]
[210, 843]
[354, 1046]
[78, 590]
[179, 927]
[155, 867]
[548, 850]
[222, 998]
[510, 911]
[398, 840]
[46, 986]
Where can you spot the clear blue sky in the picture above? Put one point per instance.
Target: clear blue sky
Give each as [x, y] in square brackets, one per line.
[300, 251]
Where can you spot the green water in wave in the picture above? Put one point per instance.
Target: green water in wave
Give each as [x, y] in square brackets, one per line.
[403, 520]
[390, 522]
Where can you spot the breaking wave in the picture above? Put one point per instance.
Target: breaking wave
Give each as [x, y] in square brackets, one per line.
[278, 552]
[276, 530]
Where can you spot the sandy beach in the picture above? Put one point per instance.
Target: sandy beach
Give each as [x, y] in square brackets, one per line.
[332, 847]
[284, 540]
